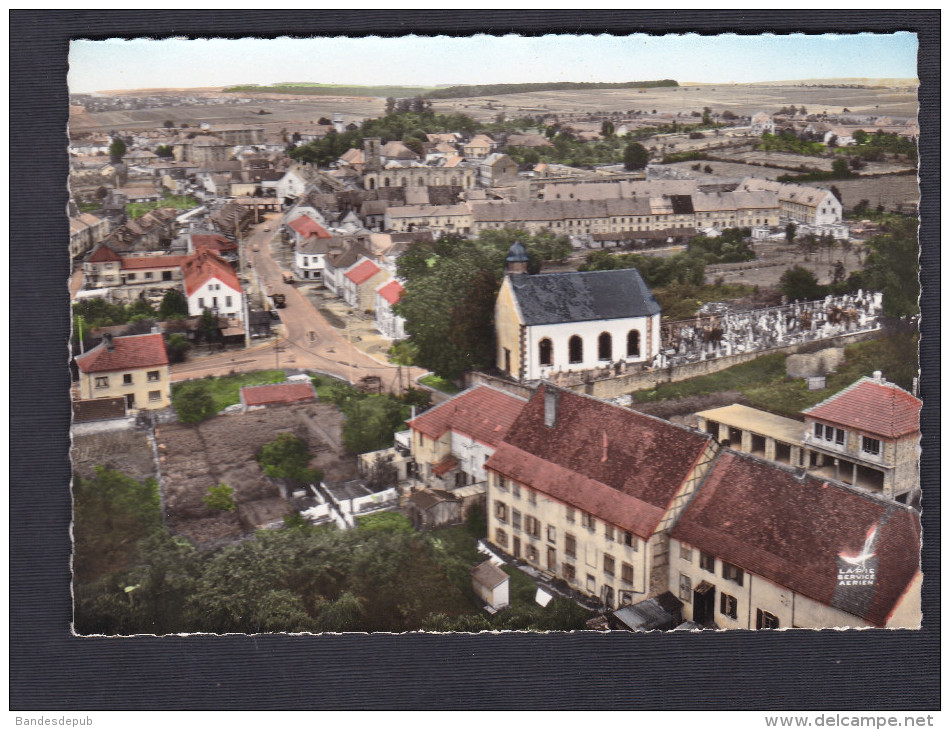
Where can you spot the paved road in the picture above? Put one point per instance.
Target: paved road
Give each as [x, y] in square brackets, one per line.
[309, 342]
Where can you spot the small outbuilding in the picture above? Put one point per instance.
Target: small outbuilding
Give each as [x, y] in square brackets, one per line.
[428, 509]
[490, 584]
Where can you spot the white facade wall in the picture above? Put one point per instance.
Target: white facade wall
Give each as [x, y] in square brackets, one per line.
[589, 332]
[471, 456]
[215, 295]
[828, 210]
[309, 265]
[290, 185]
[387, 321]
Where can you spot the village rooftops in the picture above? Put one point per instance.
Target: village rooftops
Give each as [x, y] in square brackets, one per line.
[482, 413]
[794, 529]
[768, 424]
[277, 393]
[307, 226]
[582, 296]
[619, 465]
[871, 406]
[124, 353]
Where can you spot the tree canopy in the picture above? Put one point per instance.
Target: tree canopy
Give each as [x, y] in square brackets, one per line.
[449, 301]
[288, 457]
[635, 156]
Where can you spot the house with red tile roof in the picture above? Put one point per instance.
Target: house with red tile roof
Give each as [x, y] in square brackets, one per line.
[359, 284]
[210, 283]
[277, 394]
[305, 227]
[214, 241]
[867, 435]
[765, 546]
[134, 367]
[451, 442]
[389, 323]
[586, 491]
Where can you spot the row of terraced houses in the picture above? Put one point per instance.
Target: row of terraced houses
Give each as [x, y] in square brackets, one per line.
[624, 508]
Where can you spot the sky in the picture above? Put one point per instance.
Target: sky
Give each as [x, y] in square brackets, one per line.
[417, 61]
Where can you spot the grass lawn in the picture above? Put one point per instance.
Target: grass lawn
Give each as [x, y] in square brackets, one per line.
[226, 389]
[764, 383]
[434, 381]
[182, 202]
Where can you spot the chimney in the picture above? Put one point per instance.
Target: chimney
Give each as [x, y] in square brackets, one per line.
[878, 376]
[107, 338]
[551, 398]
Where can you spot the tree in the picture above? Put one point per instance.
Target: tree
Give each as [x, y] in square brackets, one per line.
[390, 105]
[383, 473]
[165, 151]
[892, 267]
[635, 156]
[860, 136]
[799, 283]
[177, 346]
[707, 115]
[221, 498]
[173, 306]
[208, 326]
[288, 457]
[728, 115]
[117, 149]
[112, 512]
[193, 402]
[169, 124]
[840, 169]
[790, 230]
[607, 129]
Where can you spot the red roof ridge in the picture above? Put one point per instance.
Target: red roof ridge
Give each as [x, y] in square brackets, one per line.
[891, 413]
[130, 352]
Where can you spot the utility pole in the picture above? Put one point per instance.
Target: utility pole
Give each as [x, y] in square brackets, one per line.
[243, 279]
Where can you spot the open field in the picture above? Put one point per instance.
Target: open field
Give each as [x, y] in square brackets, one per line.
[222, 450]
[292, 110]
[740, 99]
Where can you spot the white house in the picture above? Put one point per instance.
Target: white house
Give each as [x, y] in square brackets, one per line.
[295, 181]
[549, 323]
[388, 322]
[310, 258]
[210, 283]
[762, 123]
[801, 203]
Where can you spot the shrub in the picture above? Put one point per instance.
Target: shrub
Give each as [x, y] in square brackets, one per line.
[221, 498]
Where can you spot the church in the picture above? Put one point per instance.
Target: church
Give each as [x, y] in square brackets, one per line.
[550, 323]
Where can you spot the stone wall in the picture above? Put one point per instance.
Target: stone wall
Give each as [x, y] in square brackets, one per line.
[641, 380]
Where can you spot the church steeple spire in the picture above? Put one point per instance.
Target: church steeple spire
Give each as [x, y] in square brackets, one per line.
[516, 262]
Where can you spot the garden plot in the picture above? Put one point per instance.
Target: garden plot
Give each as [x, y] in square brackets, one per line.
[222, 450]
[126, 451]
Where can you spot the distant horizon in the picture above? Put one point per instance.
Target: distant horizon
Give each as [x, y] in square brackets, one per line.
[856, 79]
[141, 63]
